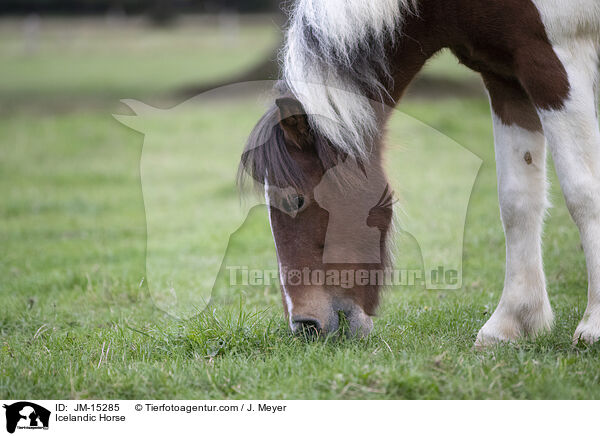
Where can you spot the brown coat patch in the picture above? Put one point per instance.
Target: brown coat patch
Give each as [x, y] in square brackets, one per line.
[504, 40]
[511, 103]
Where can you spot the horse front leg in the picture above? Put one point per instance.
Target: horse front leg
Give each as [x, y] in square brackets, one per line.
[574, 140]
[520, 148]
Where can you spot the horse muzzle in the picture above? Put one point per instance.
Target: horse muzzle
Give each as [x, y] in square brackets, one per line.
[320, 315]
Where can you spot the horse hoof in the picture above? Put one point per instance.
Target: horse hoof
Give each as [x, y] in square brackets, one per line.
[587, 332]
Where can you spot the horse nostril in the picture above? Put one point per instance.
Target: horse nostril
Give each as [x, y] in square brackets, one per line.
[306, 326]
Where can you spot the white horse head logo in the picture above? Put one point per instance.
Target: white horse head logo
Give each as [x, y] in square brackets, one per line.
[192, 205]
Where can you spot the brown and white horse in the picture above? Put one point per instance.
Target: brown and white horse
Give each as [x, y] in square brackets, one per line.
[538, 60]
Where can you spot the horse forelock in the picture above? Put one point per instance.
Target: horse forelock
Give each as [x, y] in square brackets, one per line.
[266, 157]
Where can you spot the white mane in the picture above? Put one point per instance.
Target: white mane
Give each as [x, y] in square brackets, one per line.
[334, 54]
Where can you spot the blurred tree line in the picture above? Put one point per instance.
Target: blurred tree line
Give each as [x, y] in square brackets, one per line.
[160, 9]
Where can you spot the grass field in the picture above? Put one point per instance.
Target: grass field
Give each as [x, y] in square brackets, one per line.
[76, 318]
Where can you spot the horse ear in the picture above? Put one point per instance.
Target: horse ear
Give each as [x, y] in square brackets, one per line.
[288, 106]
[293, 120]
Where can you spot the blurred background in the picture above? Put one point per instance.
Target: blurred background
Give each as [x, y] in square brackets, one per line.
[68, 53]
[81, 53]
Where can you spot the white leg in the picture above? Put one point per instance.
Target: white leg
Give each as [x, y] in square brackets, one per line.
[574, 140]
[521, 166]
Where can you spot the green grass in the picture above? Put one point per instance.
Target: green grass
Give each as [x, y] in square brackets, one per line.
[77, 320]
[85, 60]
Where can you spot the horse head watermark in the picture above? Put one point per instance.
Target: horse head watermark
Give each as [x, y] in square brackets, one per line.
[188, 171]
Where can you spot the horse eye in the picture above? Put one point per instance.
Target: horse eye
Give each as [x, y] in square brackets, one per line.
[299, 199]
[293, 203]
